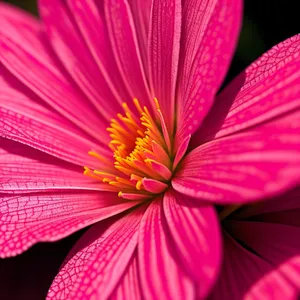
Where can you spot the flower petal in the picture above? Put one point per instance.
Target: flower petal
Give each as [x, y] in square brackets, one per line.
[141, 11]
[100, 258]
[33, 217]
[278, 244]
[195, 230]
[24, 119]
[268, 88]
[33, 63]
[244, 167]
[159, 268]
[272, 209]
[209, 34]
[24, 169]
[240, 270]
[280, 283]
[275, 243]
[125, 47]
[91, 66]
[164, 42]
[29, 26]
[129, 286]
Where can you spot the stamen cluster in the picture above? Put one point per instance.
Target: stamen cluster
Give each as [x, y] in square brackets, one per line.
[142, 153]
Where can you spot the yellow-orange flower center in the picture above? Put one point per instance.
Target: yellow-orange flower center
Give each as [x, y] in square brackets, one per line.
[141, 147]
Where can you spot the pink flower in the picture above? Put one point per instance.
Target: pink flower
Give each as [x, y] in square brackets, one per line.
[148, 71]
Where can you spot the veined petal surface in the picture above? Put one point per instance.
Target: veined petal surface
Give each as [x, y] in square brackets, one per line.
[24, 118]
[24, 169]
[268, 232]
[100, 258]
[246, 166]
[268, 88]
[124, 42]
[241, 268]
[85, 51]
[44, 75]
[196, 234]
[163, 50]
[210, 30]
[159, 267]
[32, 217]
[129, 285]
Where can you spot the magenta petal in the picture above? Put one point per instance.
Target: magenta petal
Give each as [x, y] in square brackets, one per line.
[33, 217]
[32, 62]
[24, 169]
[280, 283]
[89, 67]
[129, 285]
[248, 166]
[181, 151]
[159, 268]
[141, 10]
[240, 270]
[164, 42]
[196, 233]
[24, 119]
[268, 88]
[154, 186]
[91, 21]
[275, 243]
[278, 244]
[100, 258]
[209, 35]
[276, 209]
[123, 37]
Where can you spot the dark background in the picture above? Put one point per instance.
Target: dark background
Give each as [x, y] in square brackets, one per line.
[266, 23]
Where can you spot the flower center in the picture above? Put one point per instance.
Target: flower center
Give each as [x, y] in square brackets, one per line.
[141, 147]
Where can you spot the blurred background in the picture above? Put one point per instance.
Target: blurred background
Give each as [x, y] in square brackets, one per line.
[266, 23]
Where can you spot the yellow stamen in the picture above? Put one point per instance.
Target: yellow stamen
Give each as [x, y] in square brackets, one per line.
[132, 140]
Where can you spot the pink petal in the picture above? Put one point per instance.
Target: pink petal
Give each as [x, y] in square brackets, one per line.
[241, 269]
[196, 233]
[268, 88]
[209, 33]
[129, 286]
[125, 47]
[275, 243]
[102, 255]
[86, 56]
[181, 151]
[24, 119]
[141, 10]
[164, 42]
[161, 169]
[278, 244]
[275, 209]
[159, 268]
[24, 169]
[33, 63]
[248, 166]
[34, 217]
[154, 186]
[278, 284]
[29, 25]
